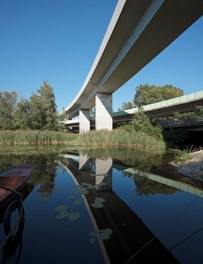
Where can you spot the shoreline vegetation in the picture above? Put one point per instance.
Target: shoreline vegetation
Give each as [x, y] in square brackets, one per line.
[116, 139]
[189, 164]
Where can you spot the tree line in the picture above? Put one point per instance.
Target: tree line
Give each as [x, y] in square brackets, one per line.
[39, 112]
[148, 94]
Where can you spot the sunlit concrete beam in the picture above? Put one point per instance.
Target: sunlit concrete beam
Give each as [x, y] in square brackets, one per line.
[83, 162]
[103, 173]
[103, 115]
[84, 121]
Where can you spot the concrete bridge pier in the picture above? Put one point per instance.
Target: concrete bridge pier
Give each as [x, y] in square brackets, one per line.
[83, 162]
[84, 124]
[103, 115]
[103, 174]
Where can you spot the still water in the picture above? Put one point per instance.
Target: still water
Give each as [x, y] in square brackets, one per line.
[105, 206]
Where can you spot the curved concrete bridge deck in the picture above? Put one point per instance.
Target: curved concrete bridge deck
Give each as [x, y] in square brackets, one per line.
[137, 33]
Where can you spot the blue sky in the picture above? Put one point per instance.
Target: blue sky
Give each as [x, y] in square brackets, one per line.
[57, 41]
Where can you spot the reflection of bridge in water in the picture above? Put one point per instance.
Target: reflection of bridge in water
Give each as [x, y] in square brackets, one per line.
[132, 241]
[169, 182]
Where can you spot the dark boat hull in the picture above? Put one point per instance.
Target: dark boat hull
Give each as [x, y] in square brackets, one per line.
[15, 179]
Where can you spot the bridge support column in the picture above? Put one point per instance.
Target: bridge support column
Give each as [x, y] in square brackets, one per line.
[84, 162]
[103, 174]
[84, 124]
[103, 115]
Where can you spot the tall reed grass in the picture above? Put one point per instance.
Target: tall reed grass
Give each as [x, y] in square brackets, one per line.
[115, 138]
[119, 139]
[35, 137]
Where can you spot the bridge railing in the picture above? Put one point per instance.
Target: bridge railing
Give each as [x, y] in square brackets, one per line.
[175, 101]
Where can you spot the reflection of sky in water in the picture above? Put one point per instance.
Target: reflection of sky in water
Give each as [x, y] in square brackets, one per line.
[58, 227]
[47, 239]
[171, 217]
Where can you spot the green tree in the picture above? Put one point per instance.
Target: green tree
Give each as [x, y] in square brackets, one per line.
[8, 101]
[43, 110]
[127, 105]
[142, 123]
[22, 117]
[199, 109]
[149, 94]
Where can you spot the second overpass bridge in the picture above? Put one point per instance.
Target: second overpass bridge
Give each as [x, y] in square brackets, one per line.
[167, 108]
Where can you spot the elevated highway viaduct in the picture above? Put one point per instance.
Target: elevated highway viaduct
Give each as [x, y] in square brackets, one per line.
[167, 108]
[137, 33]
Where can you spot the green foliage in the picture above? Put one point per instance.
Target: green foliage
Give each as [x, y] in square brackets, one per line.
[8, 102]
[146, 187]
[43, 162]
[181, 156]
[116, 138]
[121, 138]
[142, 160]
[148, 94]
[199, 109]
[35, 137]
[43, 114]
[181, 118]
[22, 120]
[142, 123]
[127, 105]
[40, 112]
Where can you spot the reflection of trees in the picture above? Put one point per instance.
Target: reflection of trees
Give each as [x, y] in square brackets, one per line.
[69, 163]
[44, 168]
[44, 173]
[140, 159]
[145, 186]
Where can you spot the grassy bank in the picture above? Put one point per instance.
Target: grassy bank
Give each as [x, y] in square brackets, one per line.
[35, 137]
[121, 139]
[114, 138]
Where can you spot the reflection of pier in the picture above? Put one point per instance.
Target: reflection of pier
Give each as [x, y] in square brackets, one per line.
[132, 241]
[71, 171]
[169, 182]
[103, 168]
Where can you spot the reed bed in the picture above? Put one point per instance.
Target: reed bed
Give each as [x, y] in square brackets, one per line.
[114, 139]
[35, 137]
[121, 139]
